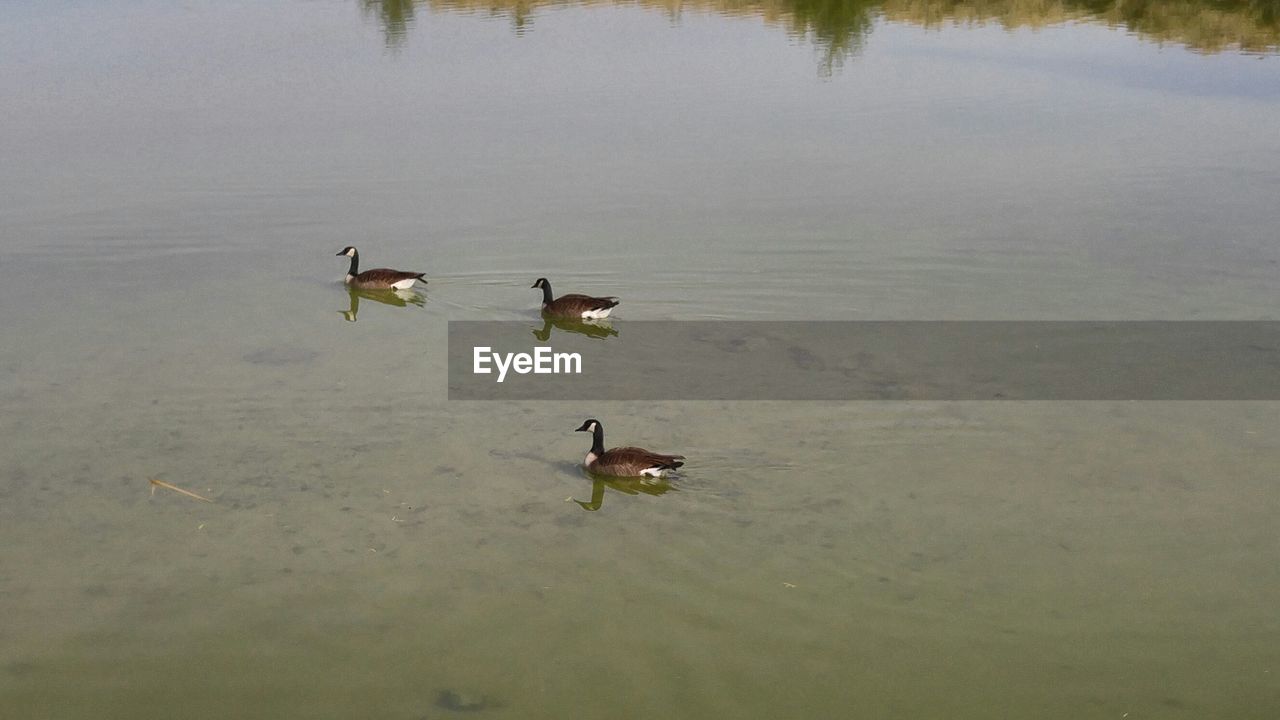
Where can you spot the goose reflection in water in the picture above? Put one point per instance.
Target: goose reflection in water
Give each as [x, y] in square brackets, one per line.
[627, 486]
[397, 298]
[598, 329]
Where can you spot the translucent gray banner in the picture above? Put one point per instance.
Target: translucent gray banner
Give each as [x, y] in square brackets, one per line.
[715, 360]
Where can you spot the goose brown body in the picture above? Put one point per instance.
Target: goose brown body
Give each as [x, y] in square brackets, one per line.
[382, 279]
[633, 462]
[574, 305]
[625, 461]
[377, 278]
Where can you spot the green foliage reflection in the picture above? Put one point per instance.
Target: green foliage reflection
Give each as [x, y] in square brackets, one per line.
[840, 27]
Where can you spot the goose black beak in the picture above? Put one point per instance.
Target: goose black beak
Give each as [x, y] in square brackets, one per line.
[531, 287]
[338, 253]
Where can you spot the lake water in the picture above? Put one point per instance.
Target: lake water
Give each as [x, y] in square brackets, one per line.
[178, 176]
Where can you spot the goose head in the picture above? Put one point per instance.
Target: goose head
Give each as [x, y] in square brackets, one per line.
[539, 284]
[349, 251]
[591, 425]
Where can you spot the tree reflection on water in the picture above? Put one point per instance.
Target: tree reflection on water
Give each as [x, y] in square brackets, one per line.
[840, 27]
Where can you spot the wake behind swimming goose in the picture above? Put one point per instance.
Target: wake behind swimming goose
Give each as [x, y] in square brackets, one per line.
[378, 278]
[573, 305]
[624, 461]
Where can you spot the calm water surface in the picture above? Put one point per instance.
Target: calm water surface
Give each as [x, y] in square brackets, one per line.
[178, 176]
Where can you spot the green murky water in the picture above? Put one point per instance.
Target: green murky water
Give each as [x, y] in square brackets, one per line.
[178, 177]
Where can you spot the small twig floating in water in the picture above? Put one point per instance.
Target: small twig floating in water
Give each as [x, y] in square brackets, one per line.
[160, 483]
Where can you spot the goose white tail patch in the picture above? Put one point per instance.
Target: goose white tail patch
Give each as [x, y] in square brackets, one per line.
[597, 314]
[653, 472]
[404, 284]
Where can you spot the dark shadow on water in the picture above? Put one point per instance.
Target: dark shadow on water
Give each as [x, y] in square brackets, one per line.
[593, 329]
[461, 702]
[395, 298]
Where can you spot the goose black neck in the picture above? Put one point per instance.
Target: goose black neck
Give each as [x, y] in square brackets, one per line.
[546, 293]
[355, 264]
[597, 440]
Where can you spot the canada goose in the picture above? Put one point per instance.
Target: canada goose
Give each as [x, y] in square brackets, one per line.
[379, 278]
[573, 305]
[624, 461]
